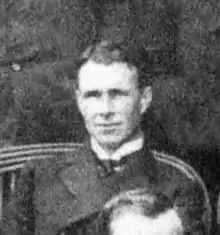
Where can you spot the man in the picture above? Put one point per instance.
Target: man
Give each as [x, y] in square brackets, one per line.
[113, 92]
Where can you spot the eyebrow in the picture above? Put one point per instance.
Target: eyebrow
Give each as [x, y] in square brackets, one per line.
[112, 91]
[90, 93]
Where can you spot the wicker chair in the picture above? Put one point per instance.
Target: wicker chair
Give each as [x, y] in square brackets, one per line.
[13, 158]
[218, 215]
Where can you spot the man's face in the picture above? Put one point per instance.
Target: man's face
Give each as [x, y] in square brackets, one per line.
[110, 101]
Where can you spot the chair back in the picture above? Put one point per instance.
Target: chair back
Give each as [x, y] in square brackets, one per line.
[193, 175]
[13, 158]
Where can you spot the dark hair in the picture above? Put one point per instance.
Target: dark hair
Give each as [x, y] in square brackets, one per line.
[151, 205]
[108, 52]
[99, 222]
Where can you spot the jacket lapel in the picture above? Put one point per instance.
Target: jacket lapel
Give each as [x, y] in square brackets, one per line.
[82, 181]
[92, 191]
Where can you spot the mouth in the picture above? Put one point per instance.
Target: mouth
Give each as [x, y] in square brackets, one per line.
[108, 125]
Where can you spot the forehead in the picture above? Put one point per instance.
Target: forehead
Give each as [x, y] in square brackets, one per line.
[99, 76]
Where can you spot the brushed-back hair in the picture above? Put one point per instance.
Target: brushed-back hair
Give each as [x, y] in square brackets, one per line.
[136, 57]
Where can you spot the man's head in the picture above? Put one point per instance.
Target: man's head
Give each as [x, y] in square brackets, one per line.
[139, 212]
[113, 92]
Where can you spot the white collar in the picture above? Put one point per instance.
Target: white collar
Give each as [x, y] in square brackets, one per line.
[127, 148]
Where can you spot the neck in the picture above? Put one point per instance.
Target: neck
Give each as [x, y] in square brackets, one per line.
[111, 150]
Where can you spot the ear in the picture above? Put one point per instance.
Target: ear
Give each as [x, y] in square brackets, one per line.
[78, 99]
[146, 98]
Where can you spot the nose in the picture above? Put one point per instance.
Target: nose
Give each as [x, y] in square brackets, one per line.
[106, 107]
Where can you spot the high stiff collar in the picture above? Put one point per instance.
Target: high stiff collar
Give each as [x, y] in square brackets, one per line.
[138, 158]
[135, 144]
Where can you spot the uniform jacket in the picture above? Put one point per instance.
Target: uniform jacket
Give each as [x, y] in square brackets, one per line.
[55, 192]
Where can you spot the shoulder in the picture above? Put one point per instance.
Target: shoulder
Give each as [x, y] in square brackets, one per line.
[48, 159]
[193, 189]
[175, 163]
[180, 173]
[64, 154]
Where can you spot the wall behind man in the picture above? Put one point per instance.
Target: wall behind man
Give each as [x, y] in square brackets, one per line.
[45, 37]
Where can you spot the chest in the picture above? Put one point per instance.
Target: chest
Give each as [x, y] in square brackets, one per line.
[71, 195]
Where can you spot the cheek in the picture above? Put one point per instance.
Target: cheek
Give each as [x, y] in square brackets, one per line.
[88, 109]
[131, 111]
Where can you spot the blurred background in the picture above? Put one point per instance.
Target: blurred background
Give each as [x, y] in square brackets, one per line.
[40, 40]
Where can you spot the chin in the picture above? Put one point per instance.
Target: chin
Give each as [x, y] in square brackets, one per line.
[111, 141]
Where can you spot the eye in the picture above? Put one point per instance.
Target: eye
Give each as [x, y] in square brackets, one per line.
[118, 92]
[92, 94]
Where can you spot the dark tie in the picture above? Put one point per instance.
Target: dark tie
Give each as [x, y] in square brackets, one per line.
[110, 166]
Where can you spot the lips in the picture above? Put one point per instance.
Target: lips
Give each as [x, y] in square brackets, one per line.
[109, 124]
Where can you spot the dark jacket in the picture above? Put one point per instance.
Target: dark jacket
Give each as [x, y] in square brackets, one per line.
[66, 188]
